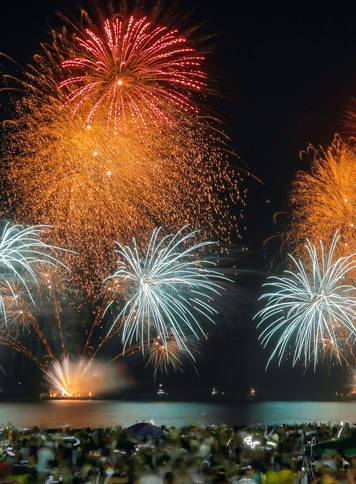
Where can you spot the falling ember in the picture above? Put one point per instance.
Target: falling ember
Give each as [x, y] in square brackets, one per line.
[131, 70]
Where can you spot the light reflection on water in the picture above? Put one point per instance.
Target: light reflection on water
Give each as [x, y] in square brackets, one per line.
[107, 413]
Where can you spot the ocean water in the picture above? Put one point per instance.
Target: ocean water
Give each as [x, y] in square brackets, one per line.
[107, 413]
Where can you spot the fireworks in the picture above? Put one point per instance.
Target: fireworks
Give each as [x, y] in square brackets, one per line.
[310, 309]
[324, 200]
[95, 184]
[68, 377]
[76, 157]
[82, 378]
[51, 279]
[24, 258]
[18, 307]
[130, 69]
[21, 249]
[94, 189]
[166, 291]
[45, 328]
[168, 356]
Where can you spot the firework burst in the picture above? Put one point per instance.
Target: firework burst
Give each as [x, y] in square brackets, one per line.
[21, 251]
[51, 279]
[167, 290]
[67, 377]
[324, 200]
[131, 69]
[18, 307]
[165, 357]
[65, 165]
[94, 190]
[95, 185]
[310, 310]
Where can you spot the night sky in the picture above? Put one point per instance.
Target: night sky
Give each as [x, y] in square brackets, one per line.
[287, 78]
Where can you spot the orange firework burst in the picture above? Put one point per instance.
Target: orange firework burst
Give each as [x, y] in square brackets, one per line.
[169, 355]
[93, 188]
[18, 307]
[131, 69]
[22, 322]
[94, 184]
[323, 201]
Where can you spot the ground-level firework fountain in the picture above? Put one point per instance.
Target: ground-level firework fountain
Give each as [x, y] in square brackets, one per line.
[83, 378]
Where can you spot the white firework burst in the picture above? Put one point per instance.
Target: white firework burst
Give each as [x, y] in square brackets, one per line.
[311, 309]
[169, 289]
[21, 250]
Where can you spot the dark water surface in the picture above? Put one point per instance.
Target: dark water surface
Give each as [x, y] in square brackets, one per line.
[106, 413]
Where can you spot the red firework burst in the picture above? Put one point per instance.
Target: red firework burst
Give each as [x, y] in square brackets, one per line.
[134, 71]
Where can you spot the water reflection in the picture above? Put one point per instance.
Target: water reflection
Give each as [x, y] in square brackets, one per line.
[106, 413]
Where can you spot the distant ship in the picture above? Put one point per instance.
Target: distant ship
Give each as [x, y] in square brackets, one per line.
[216, 393]
[161, 393]
[347, 396]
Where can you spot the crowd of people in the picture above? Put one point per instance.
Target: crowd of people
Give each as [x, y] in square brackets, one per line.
[193, 454]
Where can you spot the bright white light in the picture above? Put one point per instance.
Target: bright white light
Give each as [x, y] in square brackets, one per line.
[250, 442]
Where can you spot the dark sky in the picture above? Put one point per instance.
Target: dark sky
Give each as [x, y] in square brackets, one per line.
[289, 74]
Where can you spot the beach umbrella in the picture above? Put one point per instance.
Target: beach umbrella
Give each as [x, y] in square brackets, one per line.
[345, 446]
[145, 429]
